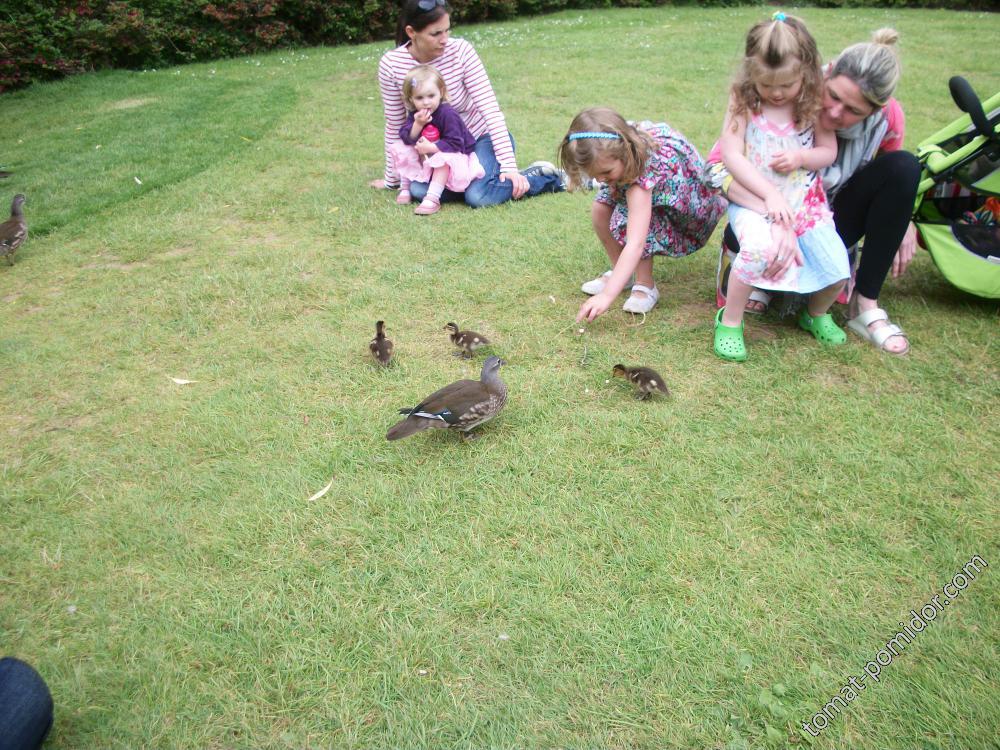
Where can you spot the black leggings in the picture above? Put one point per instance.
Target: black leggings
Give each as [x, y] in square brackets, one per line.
[876, 203]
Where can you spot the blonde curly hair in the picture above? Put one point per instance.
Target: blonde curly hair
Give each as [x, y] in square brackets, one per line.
[781, 45]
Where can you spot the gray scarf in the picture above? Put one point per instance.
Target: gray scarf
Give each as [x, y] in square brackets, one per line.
[856, 146]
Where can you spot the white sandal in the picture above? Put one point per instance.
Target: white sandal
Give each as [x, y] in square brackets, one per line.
[596, 286]
[879, 336]
[761, 298]
[641, 304]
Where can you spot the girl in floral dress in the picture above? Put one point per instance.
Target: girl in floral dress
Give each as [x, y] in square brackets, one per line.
[652, 201]
[773, 145]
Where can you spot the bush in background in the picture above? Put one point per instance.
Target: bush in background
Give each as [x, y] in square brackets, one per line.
[45, 39]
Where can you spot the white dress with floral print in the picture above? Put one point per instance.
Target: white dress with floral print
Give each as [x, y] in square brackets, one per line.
[824, 253]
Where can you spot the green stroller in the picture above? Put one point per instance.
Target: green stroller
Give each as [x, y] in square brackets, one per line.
[957, 212]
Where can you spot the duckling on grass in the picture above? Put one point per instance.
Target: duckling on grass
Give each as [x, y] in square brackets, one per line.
[380, 346]
[466, 341]
[646, 381]
[13, 231]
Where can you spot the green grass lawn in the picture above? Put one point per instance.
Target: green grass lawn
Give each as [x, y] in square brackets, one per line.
[703, 571]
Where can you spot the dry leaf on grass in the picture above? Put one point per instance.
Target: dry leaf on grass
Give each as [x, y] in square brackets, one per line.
[322, 492]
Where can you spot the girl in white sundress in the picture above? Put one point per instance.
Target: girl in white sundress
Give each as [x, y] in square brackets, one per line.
[773, 145]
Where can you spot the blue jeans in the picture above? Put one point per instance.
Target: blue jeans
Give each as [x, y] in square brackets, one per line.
[488, 190]
[25, 706]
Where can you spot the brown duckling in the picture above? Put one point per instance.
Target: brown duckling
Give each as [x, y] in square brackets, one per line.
[462, 405]
[380, 346]
[645, 380]
[13, 231]
[467, 341]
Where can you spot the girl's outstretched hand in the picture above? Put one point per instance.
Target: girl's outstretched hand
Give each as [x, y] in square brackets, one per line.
[596, 305]
[378, 184]
[786, 161]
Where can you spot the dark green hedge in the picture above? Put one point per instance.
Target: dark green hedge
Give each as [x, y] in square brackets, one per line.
[45, 39]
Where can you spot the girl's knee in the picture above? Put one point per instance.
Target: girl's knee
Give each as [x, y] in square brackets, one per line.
[600, 215]
[754, 255]
[748, 266]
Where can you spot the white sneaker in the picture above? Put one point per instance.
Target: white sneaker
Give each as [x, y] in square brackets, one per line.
[641, 304]
[596, 286]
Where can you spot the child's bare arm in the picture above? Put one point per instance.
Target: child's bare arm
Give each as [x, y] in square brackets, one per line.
[732, 144]
[824, 152]
[420, 119]
[820, 156]
[640, 212]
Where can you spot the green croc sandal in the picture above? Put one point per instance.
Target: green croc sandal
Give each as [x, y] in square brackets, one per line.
[823, 328]
[729, 342]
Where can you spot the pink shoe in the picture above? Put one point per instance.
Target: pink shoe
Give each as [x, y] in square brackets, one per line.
[427, 207]
[403, 198]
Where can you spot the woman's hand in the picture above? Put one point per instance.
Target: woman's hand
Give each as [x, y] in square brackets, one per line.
[786, 252]
[907, 249]
[786, 161]
[518, 181]
[425, 147]
[596, 305]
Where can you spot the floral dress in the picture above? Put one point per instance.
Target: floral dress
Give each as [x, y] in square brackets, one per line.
[685, 209]
[824, 252]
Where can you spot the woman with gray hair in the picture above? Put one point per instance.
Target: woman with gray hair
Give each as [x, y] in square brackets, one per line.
[871, 186]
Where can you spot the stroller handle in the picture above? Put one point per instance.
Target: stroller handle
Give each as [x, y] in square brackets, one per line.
[967, 101]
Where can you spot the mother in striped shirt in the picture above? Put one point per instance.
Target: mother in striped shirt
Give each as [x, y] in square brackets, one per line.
[423, 37]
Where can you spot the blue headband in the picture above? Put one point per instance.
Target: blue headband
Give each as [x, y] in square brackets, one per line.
[578, 136]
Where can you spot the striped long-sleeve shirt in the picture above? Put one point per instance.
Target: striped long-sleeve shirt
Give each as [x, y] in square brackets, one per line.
[469, 92]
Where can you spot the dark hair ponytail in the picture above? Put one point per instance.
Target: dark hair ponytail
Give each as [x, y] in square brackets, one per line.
[411, 14]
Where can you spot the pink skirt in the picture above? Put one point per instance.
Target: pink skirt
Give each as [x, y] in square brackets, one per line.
[463, 168]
